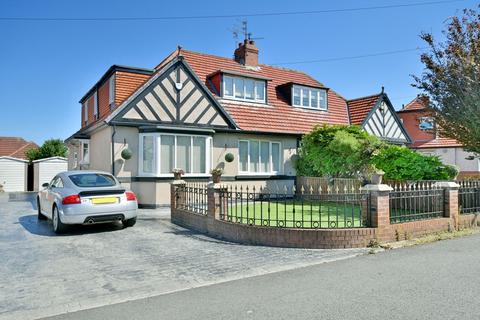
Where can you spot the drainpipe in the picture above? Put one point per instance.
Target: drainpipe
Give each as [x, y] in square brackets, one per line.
[113, 151]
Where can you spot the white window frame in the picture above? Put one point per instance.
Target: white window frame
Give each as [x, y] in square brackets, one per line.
[85, 112]
[157, 156]
[95, 105]
[82, 143]
[310, 90]
[75, 159]
[271, 172]
[232, 97]
[140, 153]
[111, 90]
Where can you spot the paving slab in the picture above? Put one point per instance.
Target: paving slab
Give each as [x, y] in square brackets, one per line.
[43, 274]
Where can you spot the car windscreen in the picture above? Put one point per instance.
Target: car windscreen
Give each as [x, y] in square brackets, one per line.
[92, 180]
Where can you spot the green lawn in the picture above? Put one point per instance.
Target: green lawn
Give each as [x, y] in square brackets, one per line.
[293, 215]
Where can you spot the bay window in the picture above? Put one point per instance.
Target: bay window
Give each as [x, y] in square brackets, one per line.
[311, 98]
[160, 153]
[259, 157]
[244, 89]
[148, 154]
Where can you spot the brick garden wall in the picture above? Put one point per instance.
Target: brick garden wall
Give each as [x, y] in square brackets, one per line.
[381, 230]
[274, 237]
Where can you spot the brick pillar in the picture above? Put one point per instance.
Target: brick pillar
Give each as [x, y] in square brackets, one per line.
[450, 200]
[177, 199]
[379, 208]
[217, 205]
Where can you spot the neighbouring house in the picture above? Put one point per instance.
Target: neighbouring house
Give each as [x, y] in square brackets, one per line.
[193, 109]
[419, 123]
[14, 166]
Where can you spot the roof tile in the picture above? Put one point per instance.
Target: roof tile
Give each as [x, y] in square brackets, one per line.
[279, 115]
[360, 108]
[15, 147]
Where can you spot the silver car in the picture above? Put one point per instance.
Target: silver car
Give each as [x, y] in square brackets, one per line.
[86, 197]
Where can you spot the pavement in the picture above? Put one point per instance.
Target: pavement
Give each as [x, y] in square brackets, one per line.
[43, 274]
[435, 281]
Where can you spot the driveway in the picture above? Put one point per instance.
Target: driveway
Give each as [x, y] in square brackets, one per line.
[43, 274]
[429, 282]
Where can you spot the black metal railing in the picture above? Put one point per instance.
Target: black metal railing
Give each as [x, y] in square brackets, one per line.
[192, 197]
[293, 210]
[328, 185]
[469, 197]
[411, 204]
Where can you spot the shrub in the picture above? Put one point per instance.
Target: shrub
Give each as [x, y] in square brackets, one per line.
[349, 152]
[401, 163]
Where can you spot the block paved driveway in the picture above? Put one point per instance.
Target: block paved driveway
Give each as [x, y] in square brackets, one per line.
[43, 274]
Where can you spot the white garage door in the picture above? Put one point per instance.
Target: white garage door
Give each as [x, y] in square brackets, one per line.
[13, 174]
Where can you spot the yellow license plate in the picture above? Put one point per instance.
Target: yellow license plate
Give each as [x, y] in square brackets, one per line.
[104, 200]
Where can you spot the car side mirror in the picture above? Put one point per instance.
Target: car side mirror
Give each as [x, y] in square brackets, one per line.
[45, 185]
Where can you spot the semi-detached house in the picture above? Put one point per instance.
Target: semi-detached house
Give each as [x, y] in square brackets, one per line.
[194, 108]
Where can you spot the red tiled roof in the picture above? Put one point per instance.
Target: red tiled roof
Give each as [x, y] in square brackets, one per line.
[361, 107]
[278, 115]
[15, 147]
[436, 143]
[419, 103]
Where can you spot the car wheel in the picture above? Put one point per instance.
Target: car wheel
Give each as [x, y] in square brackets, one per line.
[129, 222]
[58, 226]
[40, 215]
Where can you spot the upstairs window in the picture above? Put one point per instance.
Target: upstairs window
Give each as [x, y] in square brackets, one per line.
[426, 123]
[311, 98]
[95, 105]
[85, 111]
[111, 91]
[243, 89]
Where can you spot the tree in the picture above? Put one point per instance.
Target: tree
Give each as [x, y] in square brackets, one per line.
[451, 79]
[336, 151]
[50, 148]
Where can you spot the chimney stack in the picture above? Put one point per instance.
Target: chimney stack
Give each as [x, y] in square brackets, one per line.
[247, 53]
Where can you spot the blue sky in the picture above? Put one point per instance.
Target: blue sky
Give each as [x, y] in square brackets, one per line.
[46, 67]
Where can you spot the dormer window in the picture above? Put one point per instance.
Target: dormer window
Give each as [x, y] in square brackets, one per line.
[243, 89]
[85, 111]
[111, 91]
[95, 106]
[311, 98]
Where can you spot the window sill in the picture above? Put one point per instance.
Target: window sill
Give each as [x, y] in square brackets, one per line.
[310, 108]
[257, 175]
[244, 102]
[189, 175]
